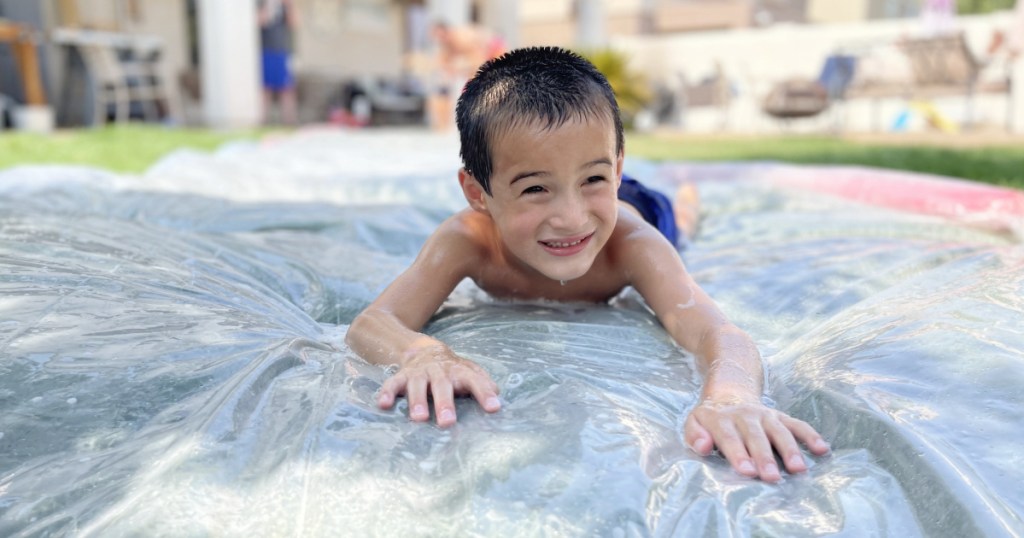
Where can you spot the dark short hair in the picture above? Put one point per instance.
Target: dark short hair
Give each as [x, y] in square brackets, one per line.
[548, 85]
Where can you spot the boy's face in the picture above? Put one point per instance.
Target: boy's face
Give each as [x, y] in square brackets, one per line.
[554, 194]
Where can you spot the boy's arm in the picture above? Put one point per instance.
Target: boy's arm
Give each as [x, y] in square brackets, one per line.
[730, 414]
[386, 333]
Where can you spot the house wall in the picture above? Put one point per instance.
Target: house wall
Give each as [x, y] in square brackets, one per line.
[754, 60]
[830, 11]
[349, 37]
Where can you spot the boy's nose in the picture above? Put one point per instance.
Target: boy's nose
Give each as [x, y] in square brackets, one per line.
[571, 214]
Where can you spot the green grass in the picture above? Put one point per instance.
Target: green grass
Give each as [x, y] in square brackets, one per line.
[129, 149]
[132, 149]
[996, 164]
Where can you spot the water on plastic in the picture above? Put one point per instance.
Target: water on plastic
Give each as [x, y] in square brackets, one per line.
[172, 362]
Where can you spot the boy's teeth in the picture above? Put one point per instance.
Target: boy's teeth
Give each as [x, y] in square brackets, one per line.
[557, 244]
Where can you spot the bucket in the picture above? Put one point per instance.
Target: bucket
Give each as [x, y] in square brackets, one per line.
[33, 119]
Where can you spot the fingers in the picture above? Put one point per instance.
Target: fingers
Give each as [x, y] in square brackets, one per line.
[784, 443]
[444, 402]
[760, 449]
[807, 435]
[697, 438]
[483, 390]
[441, 383]
[730, 444]
[749, 436]
[416, 393]
[392, 387]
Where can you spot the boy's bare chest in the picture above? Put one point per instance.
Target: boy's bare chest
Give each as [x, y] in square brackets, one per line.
[600, 284]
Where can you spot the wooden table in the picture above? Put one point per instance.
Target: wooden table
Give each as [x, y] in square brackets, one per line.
[21, 40]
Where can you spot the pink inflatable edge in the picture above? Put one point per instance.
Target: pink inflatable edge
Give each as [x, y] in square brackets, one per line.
[993, 207]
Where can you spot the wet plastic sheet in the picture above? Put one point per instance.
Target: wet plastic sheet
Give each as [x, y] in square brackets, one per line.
[172, 358]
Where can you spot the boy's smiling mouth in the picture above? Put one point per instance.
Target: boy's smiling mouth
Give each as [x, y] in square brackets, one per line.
[568, 246]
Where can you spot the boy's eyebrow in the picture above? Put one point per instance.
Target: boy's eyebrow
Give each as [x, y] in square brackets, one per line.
[524, 175]
[602, 160]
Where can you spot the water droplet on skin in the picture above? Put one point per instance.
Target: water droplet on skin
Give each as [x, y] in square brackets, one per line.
[562, 282]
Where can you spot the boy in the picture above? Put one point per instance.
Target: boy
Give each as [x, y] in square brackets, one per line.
[542, 146]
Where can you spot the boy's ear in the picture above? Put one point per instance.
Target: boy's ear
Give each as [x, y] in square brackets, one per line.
[473, 191]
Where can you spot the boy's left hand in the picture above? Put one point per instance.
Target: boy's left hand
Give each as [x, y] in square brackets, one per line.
[746, 431]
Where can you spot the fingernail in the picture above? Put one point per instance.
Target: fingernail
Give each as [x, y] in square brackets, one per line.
[419, 410]
[771, 469]
[796, 460]
[824, 444]
[747, 468]
[493, 403]
[447, 415]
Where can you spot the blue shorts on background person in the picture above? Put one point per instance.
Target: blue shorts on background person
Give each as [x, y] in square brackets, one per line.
[277, 75]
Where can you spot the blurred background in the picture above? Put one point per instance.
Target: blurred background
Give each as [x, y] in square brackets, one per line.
[695, 70]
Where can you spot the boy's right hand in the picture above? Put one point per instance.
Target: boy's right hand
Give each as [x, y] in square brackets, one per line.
[444, 375]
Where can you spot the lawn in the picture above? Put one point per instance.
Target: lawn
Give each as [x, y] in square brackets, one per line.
[1001, 163]
[132, 149]
[129, 149]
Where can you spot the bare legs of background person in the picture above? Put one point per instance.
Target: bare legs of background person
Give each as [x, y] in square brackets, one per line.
[440, 112]
[686, 207]
[287, 104]
[687, 210]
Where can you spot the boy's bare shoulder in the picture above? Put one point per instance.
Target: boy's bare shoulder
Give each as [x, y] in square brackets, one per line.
[635, 248]
[632, 235]
[467, 225]
[463, 237]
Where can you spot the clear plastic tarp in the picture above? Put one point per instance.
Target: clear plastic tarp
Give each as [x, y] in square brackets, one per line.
[172, 358]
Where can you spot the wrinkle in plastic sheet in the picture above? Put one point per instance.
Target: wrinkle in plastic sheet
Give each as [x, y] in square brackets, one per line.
[172, 362]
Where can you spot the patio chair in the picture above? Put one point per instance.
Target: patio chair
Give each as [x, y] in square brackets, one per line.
[673, 103]
[946, 66]
[938, 66]
[109, 86]
[120, 80]
[804, 98]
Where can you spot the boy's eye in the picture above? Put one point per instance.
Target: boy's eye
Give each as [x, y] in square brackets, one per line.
[533, 189]
[595, 179]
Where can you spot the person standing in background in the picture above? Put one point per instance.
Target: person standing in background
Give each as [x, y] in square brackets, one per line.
[1015, 39]
[278, 20]
[460, 50]
[1010, 39]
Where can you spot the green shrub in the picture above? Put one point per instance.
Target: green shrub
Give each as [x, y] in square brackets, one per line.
[631, 88]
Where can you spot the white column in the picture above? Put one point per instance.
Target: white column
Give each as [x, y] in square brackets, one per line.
[453, 12]
[590, 24]
[507, 23]
[229, 63]
[1017, 98]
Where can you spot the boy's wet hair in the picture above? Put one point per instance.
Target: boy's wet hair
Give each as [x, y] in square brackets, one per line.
[548, 86]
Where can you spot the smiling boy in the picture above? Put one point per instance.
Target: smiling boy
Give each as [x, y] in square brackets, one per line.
[542, 147]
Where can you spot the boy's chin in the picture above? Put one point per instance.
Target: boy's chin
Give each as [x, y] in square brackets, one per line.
[565, 274]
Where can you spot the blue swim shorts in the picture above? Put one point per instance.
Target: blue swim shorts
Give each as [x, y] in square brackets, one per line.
[276, 75]
[654, 206]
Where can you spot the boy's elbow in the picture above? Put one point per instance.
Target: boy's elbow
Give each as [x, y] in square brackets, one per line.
[355, 329]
